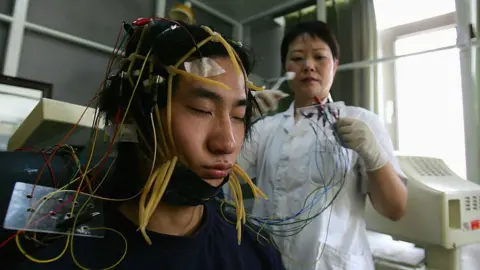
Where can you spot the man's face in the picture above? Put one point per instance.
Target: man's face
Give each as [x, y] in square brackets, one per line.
[207, 123]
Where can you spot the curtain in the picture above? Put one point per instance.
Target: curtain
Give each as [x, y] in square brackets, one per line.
[291, 20]
[354, 25]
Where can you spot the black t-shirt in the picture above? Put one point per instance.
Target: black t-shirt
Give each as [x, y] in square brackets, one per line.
[213, 247]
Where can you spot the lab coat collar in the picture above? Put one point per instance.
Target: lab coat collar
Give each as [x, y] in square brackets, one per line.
[290, 111]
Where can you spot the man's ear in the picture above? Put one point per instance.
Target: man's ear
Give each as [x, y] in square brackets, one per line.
[335, 66]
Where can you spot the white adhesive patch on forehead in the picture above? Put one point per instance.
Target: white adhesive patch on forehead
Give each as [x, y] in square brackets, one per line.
[204, 67]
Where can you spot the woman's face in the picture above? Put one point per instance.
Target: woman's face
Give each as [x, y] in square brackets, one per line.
[207, 123]
[312, 61]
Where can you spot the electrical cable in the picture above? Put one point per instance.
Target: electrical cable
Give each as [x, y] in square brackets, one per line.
[293, 224]
[159, 178]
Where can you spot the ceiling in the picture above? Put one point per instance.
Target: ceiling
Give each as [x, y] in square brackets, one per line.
[250, 10]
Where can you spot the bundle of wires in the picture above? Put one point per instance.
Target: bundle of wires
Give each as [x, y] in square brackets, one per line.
[163, 150]
[160, 176]
[332, 162]
[79, 178]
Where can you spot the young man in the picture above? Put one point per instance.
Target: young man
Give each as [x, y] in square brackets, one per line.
[183, 90]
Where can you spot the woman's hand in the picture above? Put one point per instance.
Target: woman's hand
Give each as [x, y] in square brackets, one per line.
[388, 193]
[268, 100]
[356, 135]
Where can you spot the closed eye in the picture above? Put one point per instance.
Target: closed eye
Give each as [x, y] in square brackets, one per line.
[198, 111]
[242, 119]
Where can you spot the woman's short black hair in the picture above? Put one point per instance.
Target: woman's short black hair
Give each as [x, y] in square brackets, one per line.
[167, 43]
[317, 29]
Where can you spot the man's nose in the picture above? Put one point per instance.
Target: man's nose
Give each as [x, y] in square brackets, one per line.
[222, 141]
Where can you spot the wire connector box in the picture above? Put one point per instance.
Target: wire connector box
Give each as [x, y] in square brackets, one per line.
[48, 210]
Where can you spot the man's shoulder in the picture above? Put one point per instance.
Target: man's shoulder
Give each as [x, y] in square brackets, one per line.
[251, 233]
[256, 244]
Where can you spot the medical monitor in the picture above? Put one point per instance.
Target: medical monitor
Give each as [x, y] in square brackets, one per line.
[51, 120]
[18, 97]
[442, 210]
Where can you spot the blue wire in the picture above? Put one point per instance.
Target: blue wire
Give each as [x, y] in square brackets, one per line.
[319, 192]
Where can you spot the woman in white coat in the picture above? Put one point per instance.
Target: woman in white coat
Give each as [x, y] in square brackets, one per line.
[282, 152]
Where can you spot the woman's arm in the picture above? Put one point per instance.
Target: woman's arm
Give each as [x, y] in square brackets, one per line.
[387, 192]
[386, 182]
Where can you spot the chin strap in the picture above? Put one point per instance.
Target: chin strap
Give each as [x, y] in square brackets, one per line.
[187, 189]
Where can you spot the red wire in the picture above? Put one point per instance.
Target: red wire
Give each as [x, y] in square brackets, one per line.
[64, 139]
[52, 174]
[71, 197]
[8, 240]
[31, 149]
[88, 105]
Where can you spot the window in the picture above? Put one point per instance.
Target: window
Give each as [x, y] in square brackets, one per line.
[429, 98]
[391, 13]
[421, 96]
[16, 103]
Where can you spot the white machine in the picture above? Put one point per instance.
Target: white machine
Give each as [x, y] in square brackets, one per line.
[51, 120]
[443, 212]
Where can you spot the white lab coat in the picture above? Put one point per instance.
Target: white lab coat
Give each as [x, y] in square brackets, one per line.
[283, 156]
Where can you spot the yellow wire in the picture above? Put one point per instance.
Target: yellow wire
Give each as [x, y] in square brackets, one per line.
[194, 49]
[227, 46]
[146, 190]
[33, 259]
[240, 193]
[163, 187]
[246, 225]
[169, 114]
[110, 267]
[256, 191]
[174, 70]
[160, 178]
[39, 204]
[156, 188]
[72, 253]
[86, 166]
[142, 137]
[42, 201]
[163, 142]
[154, 145]
[77, 161]
[259, 235]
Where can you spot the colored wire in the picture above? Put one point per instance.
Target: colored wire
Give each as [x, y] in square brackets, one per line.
[159, 178]
[313, 205]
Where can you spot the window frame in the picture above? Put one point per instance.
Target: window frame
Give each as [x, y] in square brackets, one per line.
[387, 86]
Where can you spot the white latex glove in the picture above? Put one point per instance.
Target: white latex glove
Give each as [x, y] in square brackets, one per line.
[268, 100]
[356, 135]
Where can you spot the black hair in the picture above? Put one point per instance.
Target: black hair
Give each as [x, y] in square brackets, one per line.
[167, 42]
[317, 29]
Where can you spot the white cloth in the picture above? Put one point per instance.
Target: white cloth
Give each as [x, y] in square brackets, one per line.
[289, 163]
[268, 100]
